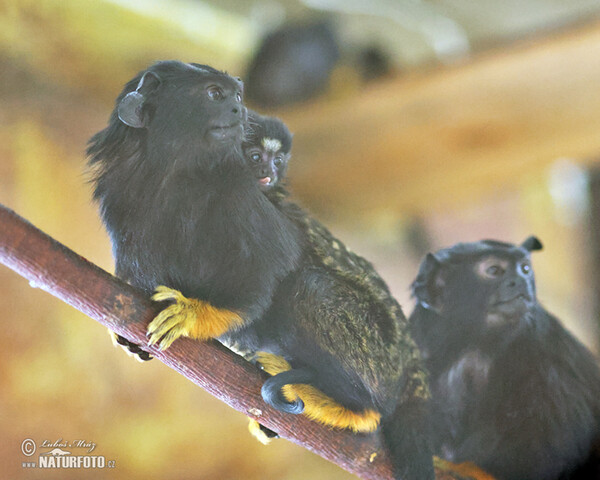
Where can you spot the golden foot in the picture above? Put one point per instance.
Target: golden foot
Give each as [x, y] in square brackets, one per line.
[174, 321]
[466, 470]
[261, 433]
[318, 406]
[187, 317]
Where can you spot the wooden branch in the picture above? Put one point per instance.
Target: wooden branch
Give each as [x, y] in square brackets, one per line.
[54, 268]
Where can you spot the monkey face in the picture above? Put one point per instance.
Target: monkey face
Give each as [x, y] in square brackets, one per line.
[511, 284]
[212, 112]
[187, 103]
[494, 290]
[267, 149]
[267, 161]
[481, 286]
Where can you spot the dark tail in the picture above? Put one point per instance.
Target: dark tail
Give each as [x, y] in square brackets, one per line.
[407, 436]
[271, 389]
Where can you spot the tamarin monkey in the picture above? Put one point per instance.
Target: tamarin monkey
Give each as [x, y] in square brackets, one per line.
[188, 220]
[180, 204]
[512, 389]
[349, 320]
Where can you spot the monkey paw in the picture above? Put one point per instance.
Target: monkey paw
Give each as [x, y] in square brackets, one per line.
[188, 317]
[176, 320]
[130, 348]
[263, 434]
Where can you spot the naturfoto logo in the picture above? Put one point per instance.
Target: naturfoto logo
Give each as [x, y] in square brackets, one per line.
[61, 456]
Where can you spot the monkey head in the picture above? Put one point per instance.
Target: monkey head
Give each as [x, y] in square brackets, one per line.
[267, 149]
[484, 286]
[193, 102]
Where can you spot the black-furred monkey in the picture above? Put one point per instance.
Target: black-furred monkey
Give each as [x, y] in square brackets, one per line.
[512, 390]
[180, 204]
[187, 217]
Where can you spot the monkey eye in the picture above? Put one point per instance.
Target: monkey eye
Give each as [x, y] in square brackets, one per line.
[278, 161]
[215, 93]
[255, 157]
[526, 268]
[494, 271]
[491, 268]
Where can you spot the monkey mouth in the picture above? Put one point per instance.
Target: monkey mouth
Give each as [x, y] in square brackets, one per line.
[223, 132]
[521, 298]
[509, 311]
[265, 183]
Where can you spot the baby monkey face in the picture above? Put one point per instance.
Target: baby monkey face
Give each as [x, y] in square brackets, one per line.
[267, 149]
[268, 161]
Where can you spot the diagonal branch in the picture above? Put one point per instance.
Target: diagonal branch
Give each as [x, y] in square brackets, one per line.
[54, 268]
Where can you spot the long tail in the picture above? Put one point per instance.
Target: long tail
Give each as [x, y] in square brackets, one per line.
[271, 389]
[407, 436]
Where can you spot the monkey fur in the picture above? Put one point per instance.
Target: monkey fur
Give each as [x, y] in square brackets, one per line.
[346, 353]
[188, 220]
[512, 390]
[182, 208]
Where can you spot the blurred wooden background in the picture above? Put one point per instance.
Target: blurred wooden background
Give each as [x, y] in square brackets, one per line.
[501, 142]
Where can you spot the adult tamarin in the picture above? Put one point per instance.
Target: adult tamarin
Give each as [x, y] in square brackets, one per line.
[512, 390]
[180, 204]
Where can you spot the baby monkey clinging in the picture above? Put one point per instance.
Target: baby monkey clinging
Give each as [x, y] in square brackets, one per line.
[188, 219]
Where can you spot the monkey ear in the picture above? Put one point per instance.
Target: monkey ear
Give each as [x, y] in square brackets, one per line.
[531, 244]
[149, 83]
[130, 109]
[423, 286]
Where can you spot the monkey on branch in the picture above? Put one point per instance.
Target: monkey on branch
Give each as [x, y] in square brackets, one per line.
[189, 222]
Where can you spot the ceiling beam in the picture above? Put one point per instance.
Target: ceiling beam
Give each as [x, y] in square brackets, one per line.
[443, 138]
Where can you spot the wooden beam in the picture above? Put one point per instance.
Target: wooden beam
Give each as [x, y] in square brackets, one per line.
[440, 139]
